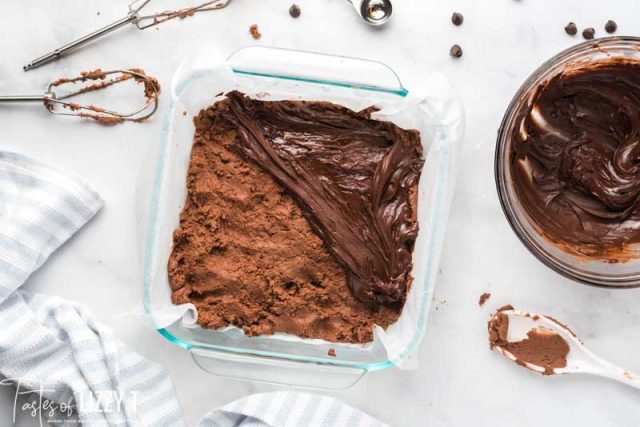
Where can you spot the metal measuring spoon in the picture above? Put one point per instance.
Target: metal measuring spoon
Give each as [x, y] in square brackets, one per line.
[509, 327]
[373, 12]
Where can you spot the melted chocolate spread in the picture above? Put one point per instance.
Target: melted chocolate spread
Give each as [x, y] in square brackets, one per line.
[354, 179]
[576, 158]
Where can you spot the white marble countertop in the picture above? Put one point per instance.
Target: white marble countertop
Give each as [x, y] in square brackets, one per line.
[459, 381]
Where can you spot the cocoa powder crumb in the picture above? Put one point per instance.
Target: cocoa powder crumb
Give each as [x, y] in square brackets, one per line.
[483, 298]
[255, 33]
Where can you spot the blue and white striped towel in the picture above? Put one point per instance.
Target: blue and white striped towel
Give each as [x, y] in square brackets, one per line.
[57, 349]
[288, 409]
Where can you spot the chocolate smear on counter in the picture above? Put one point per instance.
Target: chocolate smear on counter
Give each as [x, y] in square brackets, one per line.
[588, 33]
[574, 158]
[542, 347]
[611, 26]
[294, 11]
[483, 298]
[457, 18]
[455, 51]
[571, 29]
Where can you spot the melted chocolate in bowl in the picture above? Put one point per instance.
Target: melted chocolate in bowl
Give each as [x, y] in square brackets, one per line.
[575, 158]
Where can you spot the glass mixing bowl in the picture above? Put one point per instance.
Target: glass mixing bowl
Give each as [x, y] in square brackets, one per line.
[580, 268]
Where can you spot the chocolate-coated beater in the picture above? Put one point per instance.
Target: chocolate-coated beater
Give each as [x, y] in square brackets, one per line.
[133, 17]
[58, 97]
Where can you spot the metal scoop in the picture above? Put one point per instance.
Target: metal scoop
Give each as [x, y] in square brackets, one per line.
[133, 17]
[579, 359]
[58, 97]
[373, 12]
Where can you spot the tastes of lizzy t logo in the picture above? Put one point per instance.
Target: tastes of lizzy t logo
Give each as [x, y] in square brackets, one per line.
[32, 399]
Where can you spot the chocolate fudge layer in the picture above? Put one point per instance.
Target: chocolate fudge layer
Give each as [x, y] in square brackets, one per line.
[300, 218]
[576, 157]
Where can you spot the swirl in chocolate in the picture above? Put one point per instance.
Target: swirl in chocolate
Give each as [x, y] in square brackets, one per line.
[354, 179]
[575, 158]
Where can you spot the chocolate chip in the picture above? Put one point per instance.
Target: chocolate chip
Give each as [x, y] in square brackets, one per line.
[588, 33]
[610, 26]
[571, 29]
[294, 11]
[456, 51]
[457, 18]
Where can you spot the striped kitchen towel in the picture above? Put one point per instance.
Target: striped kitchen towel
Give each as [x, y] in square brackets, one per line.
[75, 367]
[288, 409]
[40, 208]
[54, 347]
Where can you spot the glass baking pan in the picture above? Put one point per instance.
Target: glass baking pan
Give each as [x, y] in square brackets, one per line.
[273, 74]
